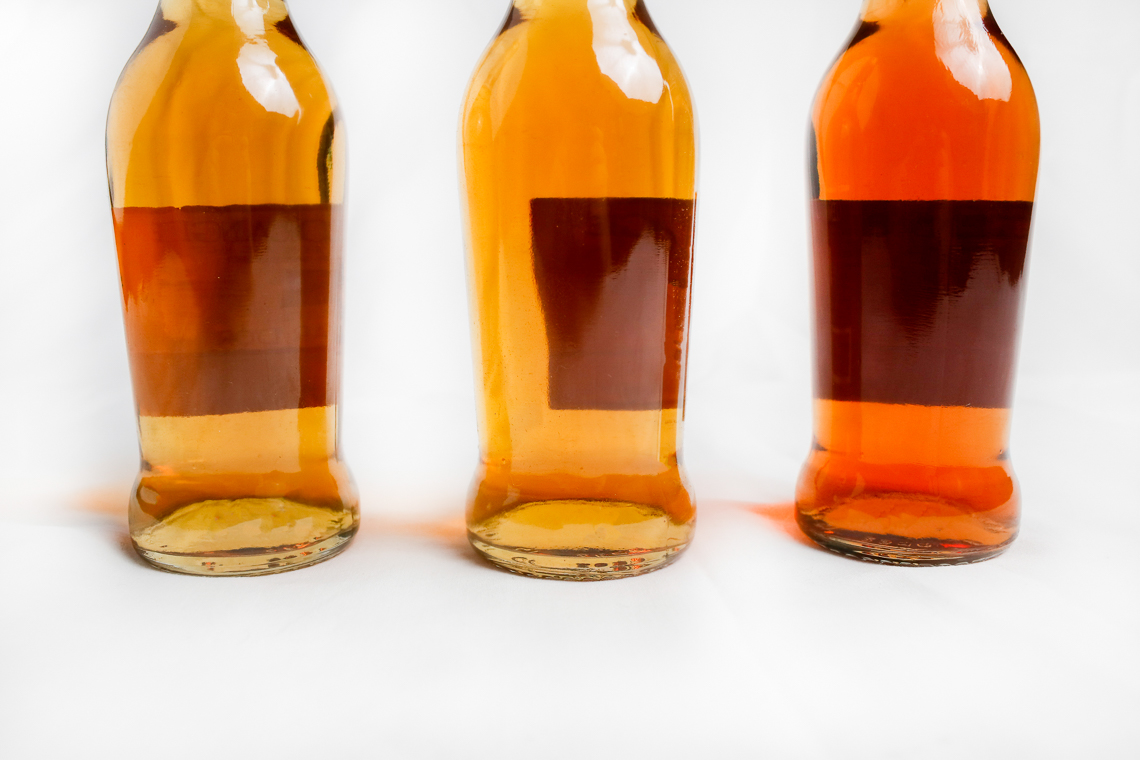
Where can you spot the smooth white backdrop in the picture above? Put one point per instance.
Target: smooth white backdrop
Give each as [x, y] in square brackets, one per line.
[755, 645]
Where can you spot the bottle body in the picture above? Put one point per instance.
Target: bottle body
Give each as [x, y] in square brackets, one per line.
[579, 171]
[924, 158]
[225, 160]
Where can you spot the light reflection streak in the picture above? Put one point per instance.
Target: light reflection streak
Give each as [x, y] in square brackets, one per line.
[620, 54]
[965, 48]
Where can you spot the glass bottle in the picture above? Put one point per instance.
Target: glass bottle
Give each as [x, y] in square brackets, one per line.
[579, 170]
[225, 158]
[924, 152]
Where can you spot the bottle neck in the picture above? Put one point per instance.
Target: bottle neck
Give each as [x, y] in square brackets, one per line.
[532, 8]
[959, 36]
[887, 10]
[252, 17]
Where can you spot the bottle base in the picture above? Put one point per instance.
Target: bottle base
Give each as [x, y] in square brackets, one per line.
[245, 537]
[576, 564]
[899, 550]
[581, 539]
[261, 563]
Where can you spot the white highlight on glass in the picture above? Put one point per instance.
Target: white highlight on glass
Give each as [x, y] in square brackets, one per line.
[620, 54]
[260, 74]
[965, 48]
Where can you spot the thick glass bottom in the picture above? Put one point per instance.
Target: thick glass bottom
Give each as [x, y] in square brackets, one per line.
[888, 549]
[582, 565]
[906, 484]
[255, 536]
[581, 539]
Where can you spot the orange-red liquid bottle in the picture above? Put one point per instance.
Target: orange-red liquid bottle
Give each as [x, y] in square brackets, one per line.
[579, 164]
[924, 158]
[225, 159]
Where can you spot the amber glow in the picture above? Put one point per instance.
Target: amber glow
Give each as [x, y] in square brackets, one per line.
[577, 100]
[225, 160]
[929, 103]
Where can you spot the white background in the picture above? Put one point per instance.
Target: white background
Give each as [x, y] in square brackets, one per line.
[755, 645]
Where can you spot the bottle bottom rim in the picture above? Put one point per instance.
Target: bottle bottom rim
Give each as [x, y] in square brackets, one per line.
[265, 561]
[577, 564]
[887, 549]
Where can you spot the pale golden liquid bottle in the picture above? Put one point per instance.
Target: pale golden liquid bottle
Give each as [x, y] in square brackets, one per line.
[925, 147]
[579, 165]
[225, 162]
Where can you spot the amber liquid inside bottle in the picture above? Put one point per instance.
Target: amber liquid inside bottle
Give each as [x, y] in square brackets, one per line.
[925, 147]
[579, 164]
[226, 180]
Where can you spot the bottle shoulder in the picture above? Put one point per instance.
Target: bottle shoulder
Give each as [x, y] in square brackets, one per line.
[255, 77]
[614, 69]
[587, 104]
[884, 69]
[927, 112]
[206, 99]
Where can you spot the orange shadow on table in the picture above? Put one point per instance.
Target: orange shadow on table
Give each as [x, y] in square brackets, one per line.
[781, 515]
[450, 532]
[109, 501]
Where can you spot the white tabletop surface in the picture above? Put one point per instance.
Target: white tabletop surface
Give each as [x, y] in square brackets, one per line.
[755, 644]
